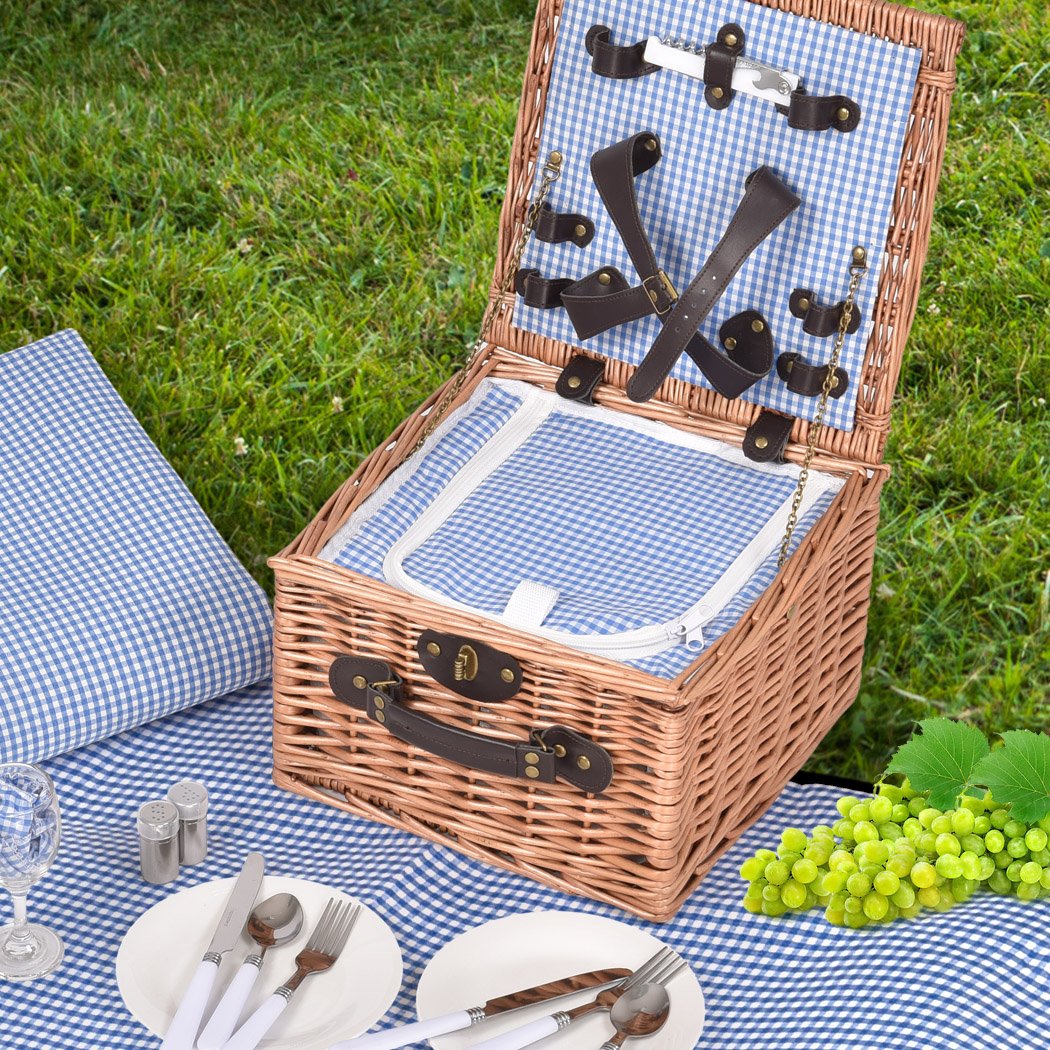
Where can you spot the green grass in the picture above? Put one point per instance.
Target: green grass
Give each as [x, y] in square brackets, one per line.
[274, 224]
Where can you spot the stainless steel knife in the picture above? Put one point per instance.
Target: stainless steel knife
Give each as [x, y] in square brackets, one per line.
[749, 76]
[182, 1032]
[407, 1034]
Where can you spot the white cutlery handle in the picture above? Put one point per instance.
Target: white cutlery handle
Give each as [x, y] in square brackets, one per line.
[407, 1034]
[182, 1032]
[224, 1020]
[254, 1030]
[526, 1035]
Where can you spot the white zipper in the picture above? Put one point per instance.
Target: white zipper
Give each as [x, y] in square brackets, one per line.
[635, 644]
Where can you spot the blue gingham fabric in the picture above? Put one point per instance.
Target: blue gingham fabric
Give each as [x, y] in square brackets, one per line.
[976, 978]
[846, 181]
[28, 822]
[631, 528]
[119, 602]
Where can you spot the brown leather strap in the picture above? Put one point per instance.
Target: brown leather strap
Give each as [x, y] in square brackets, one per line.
[821, 112]
[719, 65]
[544, 293]
[604, 300]
[557, 227]
[580, 378]
[808, 380]
[614, 60]
[767, 438]
[553, 753]
[767, 202]
[820, 320]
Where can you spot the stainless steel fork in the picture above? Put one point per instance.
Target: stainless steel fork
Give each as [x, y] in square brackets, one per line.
[321, 952]
[655, 969]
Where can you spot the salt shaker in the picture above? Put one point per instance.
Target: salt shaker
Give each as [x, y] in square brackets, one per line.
[158, 824]
[191, 800]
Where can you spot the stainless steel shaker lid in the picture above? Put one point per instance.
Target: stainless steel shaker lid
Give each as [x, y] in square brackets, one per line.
[158, 821]
[190, 799]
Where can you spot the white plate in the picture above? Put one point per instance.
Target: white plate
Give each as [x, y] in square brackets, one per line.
[160, 952]
[520, 951]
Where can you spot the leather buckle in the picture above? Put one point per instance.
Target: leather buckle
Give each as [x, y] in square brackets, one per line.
[668, 289]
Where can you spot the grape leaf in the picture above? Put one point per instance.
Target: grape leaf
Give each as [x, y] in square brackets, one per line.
[1018, 774]
[941, 760]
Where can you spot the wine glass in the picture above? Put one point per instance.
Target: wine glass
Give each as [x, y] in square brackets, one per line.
[30, 828]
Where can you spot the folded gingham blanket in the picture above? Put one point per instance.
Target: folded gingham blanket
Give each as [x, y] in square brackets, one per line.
[119, 601]
[610, 533]
[976, 978]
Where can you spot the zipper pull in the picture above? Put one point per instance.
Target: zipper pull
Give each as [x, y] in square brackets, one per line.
[693, 637]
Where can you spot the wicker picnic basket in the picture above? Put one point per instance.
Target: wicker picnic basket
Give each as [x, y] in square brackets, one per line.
[697, 758]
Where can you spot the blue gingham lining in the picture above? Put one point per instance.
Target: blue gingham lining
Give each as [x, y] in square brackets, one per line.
[796, 984]
[846, 181]
[631, 527]
[119, 602]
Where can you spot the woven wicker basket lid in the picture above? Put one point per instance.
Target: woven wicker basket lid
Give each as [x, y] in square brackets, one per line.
[939, 39]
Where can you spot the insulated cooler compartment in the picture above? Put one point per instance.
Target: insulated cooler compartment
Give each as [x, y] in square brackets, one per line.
[613, 534]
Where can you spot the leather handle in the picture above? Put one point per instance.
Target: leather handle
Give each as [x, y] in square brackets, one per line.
[552, 753]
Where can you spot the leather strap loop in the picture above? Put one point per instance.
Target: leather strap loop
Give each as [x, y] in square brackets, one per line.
[767, 202]
[580, 378]
[720, 64]
[553, 753]
[544, 293]
[820, 320]
[821, 112]
[614, 60]
[767, 438]
[557, 227]
[604, 300]
[808, 380]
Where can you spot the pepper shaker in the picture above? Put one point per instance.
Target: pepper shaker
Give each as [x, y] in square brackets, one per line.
[191, 800]
[158, 824]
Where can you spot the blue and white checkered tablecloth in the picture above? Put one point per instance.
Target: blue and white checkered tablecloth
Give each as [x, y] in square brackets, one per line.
[976, 978]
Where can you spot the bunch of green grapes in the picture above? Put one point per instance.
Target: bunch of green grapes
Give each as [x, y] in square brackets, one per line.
[892, 855]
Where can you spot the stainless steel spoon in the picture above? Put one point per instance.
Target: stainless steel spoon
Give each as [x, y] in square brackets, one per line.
[275, 921]
[640, 1011]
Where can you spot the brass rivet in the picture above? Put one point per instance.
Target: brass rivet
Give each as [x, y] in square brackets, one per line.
[559, 750]
[573, 384]
[761, 442]
[757, 325]
[532, 758]
[580, 230]
[843, 114]
[717, 92]
[507, 674]
[788, 365]
[531, 772]
[859, 254]
[433, 648]
[583, 762]
[379, 702]
[604, 278]
[380, 717]
[360, 681]
[834, 382]
[652, 294]
[803, 304]
[555, 157]
[651, 145]
[730, 343]
[730, 40]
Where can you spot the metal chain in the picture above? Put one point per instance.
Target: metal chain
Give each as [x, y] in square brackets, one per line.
[858, 268]
[550, 174]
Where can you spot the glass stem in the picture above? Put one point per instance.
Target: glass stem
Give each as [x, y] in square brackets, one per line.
[20, 942]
